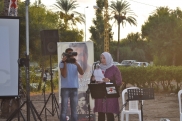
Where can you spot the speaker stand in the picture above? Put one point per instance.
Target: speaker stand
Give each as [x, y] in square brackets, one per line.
[55, 105]
[28, 102]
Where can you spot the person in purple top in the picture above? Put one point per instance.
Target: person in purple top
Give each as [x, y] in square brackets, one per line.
[112, 74]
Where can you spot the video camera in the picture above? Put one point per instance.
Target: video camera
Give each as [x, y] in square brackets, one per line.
[68, 55]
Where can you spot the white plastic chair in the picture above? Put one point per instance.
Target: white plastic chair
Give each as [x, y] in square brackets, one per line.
[179, 98]
[133, 106]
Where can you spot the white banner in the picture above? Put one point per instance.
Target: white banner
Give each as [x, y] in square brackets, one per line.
[9, 55]
[86, 58]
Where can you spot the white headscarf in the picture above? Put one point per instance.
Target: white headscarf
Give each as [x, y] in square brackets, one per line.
[109, 61]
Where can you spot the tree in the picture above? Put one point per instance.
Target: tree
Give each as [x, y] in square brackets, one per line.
[133, 47]
[40, 19]
[66, 8]
[1, 7]
[164, 31]
[122, 14]
[75, 35]
[97, 31]
[5, 8]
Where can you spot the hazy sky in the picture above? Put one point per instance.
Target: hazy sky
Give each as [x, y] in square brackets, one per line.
[142, 8]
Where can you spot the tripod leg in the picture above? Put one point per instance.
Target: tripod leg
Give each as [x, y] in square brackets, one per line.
[56, 105]
[15, 112]
[52, 104]
[35, 111]
[52, 113]
[45, 105]
[43, 93]
[31, 108]
[56, 101]
[20, 113]
[45, 115]
[22, 116]
[124, 105]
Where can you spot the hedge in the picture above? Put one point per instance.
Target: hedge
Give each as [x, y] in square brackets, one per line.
[161, 78]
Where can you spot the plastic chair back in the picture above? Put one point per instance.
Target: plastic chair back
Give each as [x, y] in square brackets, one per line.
[179, 99]
[132, 104]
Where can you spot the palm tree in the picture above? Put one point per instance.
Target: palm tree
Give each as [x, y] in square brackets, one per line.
[122, 15]
[66, 8]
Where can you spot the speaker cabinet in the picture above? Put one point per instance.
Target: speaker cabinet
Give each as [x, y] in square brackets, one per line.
[49, 39]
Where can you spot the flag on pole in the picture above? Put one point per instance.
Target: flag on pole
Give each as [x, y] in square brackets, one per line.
[13, 8]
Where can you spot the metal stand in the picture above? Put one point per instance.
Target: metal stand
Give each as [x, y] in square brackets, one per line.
[140, 94]
[26, 64]
[99, 91]
[88, 90]
[33, 110]
[43, 93]
[10, 102]
[124, 105]
[88, 101]
[28, 103]
[20, 111]
[55, 105]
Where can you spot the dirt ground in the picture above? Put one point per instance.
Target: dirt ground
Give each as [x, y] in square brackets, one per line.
[163, 106]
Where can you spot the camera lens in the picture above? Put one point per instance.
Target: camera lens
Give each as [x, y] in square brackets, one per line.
[74, 53]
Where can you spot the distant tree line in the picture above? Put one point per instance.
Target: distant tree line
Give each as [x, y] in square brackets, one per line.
[159, 41]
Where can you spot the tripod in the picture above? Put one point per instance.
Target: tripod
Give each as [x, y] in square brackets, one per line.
[30, 106]
[54, 101]
[25, 62]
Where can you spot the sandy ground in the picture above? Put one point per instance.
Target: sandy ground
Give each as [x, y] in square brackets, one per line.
[163, 106]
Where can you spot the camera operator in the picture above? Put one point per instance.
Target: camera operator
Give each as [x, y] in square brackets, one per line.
[69, 69]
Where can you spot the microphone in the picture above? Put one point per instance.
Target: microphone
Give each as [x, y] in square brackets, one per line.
[96, 62]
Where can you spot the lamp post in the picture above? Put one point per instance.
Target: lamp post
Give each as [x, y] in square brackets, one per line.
[85, 22]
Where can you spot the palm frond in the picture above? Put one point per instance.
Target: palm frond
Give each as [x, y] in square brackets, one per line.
[122, 13]
[66, 5]
[67, 12]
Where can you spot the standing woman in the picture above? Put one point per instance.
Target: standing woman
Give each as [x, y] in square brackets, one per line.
[112, 74]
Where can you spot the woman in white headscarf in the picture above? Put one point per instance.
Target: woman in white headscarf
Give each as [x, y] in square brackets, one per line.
[112, 74]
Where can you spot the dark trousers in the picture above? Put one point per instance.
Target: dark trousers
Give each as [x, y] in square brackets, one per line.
[101, 116]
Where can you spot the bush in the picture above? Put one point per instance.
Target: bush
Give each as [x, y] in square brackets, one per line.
[161, 78]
